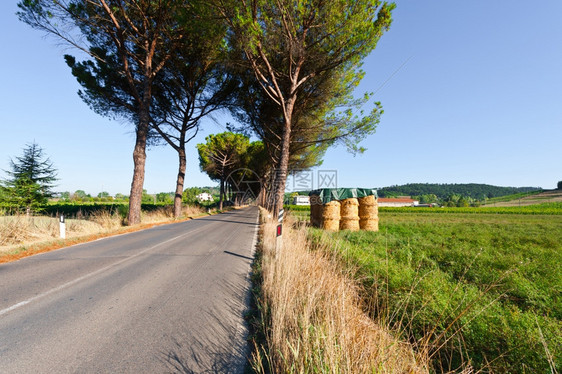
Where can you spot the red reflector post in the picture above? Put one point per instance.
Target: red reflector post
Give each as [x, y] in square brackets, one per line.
[279, 230]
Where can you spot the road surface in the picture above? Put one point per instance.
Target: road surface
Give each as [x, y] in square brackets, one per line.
[167, 299]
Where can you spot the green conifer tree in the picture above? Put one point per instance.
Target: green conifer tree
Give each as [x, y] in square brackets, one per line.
[31, 179]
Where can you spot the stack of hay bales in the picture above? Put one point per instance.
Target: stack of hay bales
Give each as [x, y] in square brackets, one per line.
[368, 213]
[331, 216]
[349, 214]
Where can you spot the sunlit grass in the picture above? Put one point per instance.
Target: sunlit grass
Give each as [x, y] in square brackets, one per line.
[313, 319]
[479, 289]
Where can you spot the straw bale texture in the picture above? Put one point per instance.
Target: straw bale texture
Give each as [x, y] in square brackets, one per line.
[349, 214]
[368, 207]
[331, 216]
[349, 208]
[367, 200]
[371, 224]
[331, 210]
[331, 224]
[348, 223]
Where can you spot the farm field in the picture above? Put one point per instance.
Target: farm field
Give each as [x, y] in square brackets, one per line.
[526, 199]
[475, 288]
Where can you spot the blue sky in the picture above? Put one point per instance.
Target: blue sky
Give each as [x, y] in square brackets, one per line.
[472, 93]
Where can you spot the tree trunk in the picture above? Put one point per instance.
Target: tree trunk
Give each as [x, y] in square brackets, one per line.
[281, 175]
[179, 183]
[261, 200]
[221, 194]
[139, 159]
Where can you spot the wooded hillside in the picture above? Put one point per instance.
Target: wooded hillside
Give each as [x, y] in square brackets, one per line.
[442, 191]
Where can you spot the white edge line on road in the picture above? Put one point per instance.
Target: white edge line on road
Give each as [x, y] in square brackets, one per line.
[103, 238]
[89, 275]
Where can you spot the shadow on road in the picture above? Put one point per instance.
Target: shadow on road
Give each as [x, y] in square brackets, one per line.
[230, 221]
[237, 255]
[222, 348]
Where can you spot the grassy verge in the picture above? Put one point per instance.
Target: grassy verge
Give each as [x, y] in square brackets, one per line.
[481, 290]
[311, 317]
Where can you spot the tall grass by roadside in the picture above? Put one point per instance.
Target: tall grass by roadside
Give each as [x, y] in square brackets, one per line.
[313, 318]
[19, 230]
[22, 230]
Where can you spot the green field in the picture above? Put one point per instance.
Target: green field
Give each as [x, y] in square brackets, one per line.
[471, 288]
[512, 197]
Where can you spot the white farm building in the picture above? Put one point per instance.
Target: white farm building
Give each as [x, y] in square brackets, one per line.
[397, 202]
[301, 200]
[204, 196]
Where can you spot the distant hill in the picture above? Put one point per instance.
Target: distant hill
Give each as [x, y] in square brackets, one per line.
[442, 191]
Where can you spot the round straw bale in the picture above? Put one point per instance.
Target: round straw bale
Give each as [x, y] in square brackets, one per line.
[367, 200]
[331, 210]
[349, 223]
[368, 207]
[350, 208]
[331, 224]
[331, 216]
[368, 211]
[371, 224]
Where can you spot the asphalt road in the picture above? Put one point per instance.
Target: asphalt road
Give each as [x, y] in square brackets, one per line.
[167, 299]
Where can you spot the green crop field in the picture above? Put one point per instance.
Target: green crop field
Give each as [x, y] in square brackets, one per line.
[541, 209]
[474, 287]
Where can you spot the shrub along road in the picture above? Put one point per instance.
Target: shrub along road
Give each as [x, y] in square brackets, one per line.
[170, 298]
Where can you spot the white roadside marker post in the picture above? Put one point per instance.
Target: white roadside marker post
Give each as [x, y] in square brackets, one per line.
[279, 239]
[62, 226]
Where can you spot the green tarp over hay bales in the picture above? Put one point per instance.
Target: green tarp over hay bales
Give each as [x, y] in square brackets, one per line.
[329, 194]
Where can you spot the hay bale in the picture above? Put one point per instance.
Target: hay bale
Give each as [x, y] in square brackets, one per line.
[347, 223]
[368, 213]
[367, 200]
[349, 208]
[331, 216]
[331, 210]
[371, 224]
[316, 209]
[349, 214]
[368, 207]
[331, 224]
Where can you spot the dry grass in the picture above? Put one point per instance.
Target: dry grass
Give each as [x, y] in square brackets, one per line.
[193, 210]
[313, 317]
[106, 220]
[158, 215]
[21, 230]
[18, 229]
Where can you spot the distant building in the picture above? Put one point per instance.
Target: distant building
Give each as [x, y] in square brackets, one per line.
[301, 200]
[397, 202]
[204, 196]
